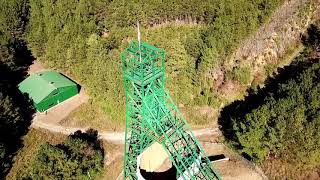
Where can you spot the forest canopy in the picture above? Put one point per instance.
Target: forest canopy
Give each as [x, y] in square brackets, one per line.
[80, 156]
[85, 38]
[282, 119]
[15, 112]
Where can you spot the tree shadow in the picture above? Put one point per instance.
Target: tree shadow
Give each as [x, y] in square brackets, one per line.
[312, 38]
[10, 76]
[216, 157]
[169, 174]
[91, 137]
[78, 85]
[237, 110]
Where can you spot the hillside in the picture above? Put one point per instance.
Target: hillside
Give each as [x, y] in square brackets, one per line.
[277, 125]
[250, 68]
[85, 40]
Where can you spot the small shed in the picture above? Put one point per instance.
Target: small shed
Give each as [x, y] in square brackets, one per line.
[47, 89]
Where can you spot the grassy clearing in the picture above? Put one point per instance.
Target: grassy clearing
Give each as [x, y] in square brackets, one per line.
[88, 115]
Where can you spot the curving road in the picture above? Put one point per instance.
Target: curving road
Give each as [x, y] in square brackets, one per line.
[110, 136]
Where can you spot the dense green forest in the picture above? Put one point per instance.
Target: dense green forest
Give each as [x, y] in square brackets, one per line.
[84, 39]
[15, 113]
[281, 120]
[80, 156]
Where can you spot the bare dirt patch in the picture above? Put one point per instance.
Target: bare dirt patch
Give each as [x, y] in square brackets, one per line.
[36, 67]
[152, 163]
[277, 169]
[113, 164]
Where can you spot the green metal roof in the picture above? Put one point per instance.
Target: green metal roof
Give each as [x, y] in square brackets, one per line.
[39, 85]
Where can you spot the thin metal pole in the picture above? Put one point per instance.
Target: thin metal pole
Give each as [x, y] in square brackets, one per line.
[139, 41]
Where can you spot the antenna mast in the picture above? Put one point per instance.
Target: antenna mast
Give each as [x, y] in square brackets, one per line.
[139, 41]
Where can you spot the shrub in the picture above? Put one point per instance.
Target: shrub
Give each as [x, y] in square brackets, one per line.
[285, 122]
[79, 157]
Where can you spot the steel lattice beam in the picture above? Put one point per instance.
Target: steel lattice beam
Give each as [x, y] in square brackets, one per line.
[152, 116]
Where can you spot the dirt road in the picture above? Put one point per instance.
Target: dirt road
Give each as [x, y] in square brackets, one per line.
[113, 137]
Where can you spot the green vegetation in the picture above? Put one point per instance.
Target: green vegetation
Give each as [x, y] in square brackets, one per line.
[286, 121]
[32, 142]
[281, 120]
[14, 111]
[88, 114]
[85, 38]
[10, 116]
[240, 74]
[36, 138]
[80, 156]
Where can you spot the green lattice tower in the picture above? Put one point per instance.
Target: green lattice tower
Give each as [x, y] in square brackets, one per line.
[152, 116]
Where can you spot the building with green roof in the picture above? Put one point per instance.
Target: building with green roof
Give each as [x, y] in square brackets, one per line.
[47, 89]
